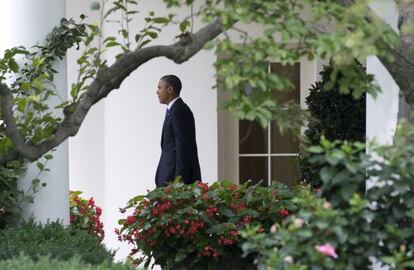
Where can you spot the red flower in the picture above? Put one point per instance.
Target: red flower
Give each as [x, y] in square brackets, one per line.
[195, 226]
[237, 207]
[208, 251]
[130, 220]
[211, 211]
[83, 209]
[284, 213]
[246, 219]
[91, 202]
[202, 186]
[225, 241]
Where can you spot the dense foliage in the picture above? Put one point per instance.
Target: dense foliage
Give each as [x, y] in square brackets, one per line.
[45, 263]
[53, 240]
[361, 227]
[85, 214]
[10, 195]
[334, 114]
[197, 226]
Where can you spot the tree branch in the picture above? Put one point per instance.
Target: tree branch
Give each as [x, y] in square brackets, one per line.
[20, 147]
[401, 67]
[107, 80]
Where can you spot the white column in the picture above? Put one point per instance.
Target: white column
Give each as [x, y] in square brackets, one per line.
[382, 112]
[27, 22]
[381, 117]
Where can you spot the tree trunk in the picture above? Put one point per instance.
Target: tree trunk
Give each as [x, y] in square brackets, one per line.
[405, 111]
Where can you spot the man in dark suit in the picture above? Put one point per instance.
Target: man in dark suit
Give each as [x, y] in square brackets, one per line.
[178, 140]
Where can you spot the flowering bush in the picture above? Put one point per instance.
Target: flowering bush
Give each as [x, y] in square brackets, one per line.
[197, 226]
[85, 215]
[368, 223]
[316, 237]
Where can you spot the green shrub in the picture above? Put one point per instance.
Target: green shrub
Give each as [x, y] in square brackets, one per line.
[45, 263]
[54, 240]
[334, 114]
[9, 193]
[373, 223]
[197, 226]
[295, 243]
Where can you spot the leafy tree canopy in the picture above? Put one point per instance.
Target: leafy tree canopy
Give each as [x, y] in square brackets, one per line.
[290, 29]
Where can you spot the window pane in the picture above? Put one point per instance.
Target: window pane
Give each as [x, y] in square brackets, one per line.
[286, 143]
[285, 170]
[253, 168]
[291, 72]
[252, 138]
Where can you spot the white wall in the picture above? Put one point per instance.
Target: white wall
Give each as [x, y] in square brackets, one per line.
[115, 155]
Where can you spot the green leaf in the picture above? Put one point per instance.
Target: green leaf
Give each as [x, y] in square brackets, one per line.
[348, 190]
[184, 25]
[40, 165]
[145, 42]
[25, 86]
[13, 65]
[112, 44]
[316, 149]
[124, 33]
[181, 254]
[161, 20]
[217, 229]
[152, 34]
[22, 103]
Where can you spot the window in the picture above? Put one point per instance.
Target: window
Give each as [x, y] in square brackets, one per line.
[265, 154]
[247, 151]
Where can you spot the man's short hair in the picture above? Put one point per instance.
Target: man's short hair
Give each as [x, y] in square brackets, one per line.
[174, 82]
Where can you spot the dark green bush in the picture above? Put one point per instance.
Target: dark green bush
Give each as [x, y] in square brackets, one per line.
[9, 194]
[45, 263]
[54, 240]
[333, 114]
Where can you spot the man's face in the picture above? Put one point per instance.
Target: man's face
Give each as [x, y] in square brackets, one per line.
[164, 92]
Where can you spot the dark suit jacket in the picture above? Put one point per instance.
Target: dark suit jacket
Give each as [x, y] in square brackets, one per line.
[178, 147]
